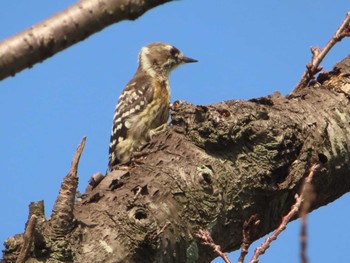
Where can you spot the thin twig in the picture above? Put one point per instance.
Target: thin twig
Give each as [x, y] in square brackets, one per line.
[307, 190]
[308, 194]
[28, 238]
[303, 240]
[285, 220]
[206, 238]
[264, 246]
[318, 54]
[249, 232]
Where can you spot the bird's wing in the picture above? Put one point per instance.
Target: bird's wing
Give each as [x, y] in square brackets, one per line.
[137, 94]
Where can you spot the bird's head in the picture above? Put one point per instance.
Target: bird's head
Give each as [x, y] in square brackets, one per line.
[161, 58]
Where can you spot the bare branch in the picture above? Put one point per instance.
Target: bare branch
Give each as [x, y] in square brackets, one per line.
[318, 54]
[249, 233]
[307, 191]
[206, 238]
[303, 240]
[308, 194]
[64, 29]
[285, 220]
[28, 238]
[62, 212]
[261, 250]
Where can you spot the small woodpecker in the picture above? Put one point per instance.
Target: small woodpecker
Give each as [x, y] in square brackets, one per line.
[143, 107]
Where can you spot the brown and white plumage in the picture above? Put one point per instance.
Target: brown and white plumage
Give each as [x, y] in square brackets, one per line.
[144, 103]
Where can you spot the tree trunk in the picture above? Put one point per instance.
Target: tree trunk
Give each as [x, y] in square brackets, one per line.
[213, 169]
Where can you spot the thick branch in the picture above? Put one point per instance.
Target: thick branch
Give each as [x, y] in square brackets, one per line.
[216, 167]
[64, 29]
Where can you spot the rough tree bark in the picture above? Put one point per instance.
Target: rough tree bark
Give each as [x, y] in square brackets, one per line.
[64, 29]
[213, 169]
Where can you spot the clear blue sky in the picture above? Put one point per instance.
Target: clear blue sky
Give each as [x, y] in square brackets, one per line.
[246, 49]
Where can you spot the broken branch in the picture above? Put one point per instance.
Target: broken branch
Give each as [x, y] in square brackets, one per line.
[62, 212]
[28, 238]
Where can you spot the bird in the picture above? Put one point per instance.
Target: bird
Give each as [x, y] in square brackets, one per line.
[143, 107]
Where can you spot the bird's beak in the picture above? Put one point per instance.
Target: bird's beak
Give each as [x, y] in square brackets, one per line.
[188, 60]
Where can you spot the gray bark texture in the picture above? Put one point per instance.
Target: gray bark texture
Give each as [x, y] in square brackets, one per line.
[215, 167]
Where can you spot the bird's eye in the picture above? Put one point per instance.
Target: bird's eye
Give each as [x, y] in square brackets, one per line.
[174, 52]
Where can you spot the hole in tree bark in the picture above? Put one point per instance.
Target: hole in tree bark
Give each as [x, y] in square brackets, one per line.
[115, 184]
[207, 178]
[140, 215]
[322, 158]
